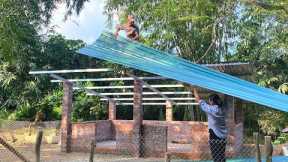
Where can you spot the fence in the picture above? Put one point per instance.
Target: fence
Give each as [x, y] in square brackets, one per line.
[23, 143]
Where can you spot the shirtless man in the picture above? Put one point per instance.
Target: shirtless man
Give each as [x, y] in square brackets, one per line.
[132, 30]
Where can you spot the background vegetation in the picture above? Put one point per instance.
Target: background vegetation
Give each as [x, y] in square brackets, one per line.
[209, 31]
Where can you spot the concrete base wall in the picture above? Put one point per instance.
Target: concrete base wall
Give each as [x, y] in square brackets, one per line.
[104, 131]
[84, 132]
[155, 136]
[155, 140]
[186, 132]
[12, 125]
[123, 136]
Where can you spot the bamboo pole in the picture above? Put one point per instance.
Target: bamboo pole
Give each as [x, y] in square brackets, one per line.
[268, 149]
[257, 147]
[92, 151]
[38, 145]
[13, 150]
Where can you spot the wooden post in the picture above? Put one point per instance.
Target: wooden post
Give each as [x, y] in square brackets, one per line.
[137, 118]
[257, 147]
[112, 110]
[235, 133]
[268, 149]
[66, 127]
[92, 151]
[169, 112]
[13, 150]
[38, 145]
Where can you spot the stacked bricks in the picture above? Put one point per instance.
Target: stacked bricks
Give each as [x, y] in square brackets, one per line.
[66, 128]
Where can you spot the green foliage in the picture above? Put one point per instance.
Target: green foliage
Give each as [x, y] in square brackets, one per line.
[74, 6]
[283, 88]
[88, 108]
[262, 29]
[282, 138]
[210, 31]
[4, 114]
[22, 49]
[19, 90]
[262, 40]
[272, 122]
[23, 112]
[187, 27]
[51, 105]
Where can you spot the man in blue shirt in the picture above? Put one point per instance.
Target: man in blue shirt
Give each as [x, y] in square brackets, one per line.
[216, 124]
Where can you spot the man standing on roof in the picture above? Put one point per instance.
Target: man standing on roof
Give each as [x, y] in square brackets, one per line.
[131, 29]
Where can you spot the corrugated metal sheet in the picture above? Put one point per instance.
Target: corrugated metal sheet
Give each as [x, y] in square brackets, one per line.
[138, 56]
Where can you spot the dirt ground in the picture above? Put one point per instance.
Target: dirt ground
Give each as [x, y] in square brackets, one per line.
[51, 153]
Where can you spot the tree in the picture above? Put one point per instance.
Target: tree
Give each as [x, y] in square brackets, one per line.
[195, 30]
[262, 40]
[214, 31]
[22, 49]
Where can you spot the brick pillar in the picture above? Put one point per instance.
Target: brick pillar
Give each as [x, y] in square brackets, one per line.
[112, 110]
[169, 112]
[235, 131]
[66, 127]
[137, 118]
[229, 103]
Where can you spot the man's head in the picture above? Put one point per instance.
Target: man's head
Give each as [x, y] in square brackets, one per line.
[214, 99]
[131, 20]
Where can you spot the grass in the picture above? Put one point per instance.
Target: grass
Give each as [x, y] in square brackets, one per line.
[24, 136]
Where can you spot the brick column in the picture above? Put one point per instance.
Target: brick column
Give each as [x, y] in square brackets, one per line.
[235, 131]
[137, 118]
[112, 110]
[169, 112]
[66, 127]
[229, 103]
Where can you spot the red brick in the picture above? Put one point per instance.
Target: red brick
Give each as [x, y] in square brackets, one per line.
[66, 129]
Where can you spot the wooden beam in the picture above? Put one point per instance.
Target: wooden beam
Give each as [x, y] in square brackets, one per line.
[109, 69]
[144, 93]
[71, 71]
[154, 104]
[131, 87]
[152, 88]
[88, 91]
[151, 99]
[109, 79]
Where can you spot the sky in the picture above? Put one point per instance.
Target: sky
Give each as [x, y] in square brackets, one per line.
[87, 26]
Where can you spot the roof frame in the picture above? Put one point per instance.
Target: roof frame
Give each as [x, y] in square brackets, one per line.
[86, 90]
[152, 88]
[71, 71]
[144, 93]
[131, 87]
[109, 79]
[158, 104]
[108, 96]
[154, 99]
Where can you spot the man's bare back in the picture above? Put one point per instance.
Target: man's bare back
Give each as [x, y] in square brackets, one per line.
[132, 31]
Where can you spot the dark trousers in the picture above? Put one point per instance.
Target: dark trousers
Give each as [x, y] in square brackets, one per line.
[217, 147]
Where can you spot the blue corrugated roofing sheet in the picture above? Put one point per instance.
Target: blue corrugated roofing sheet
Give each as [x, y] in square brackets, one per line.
[139, 56]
